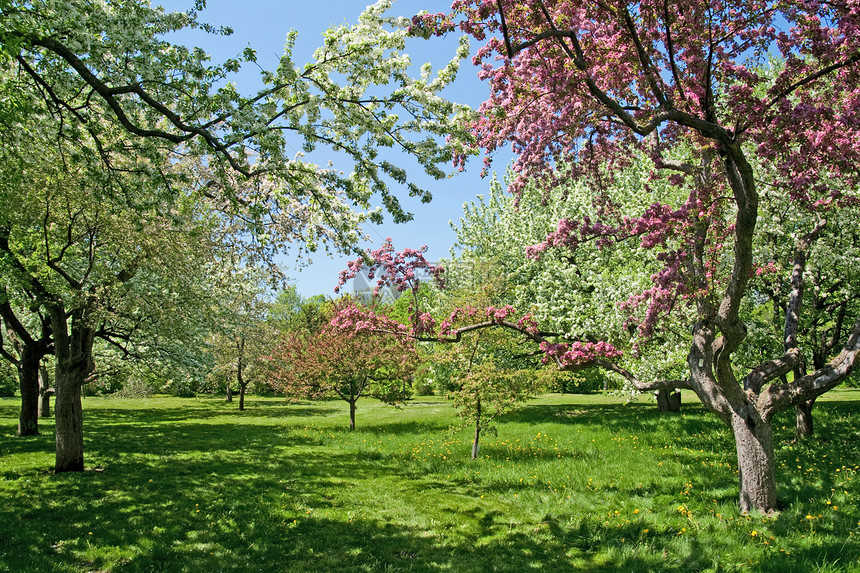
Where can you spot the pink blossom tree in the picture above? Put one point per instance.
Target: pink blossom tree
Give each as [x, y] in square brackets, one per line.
[358, 353]
[580, 89]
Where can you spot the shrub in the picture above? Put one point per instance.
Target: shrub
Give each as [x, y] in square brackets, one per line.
[8, 380]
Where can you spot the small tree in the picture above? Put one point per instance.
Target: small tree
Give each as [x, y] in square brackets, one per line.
[490, 381]
[348, 359]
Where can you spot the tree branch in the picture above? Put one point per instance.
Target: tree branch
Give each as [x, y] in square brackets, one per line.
[795, 299]
[778, 397]
[853, 59]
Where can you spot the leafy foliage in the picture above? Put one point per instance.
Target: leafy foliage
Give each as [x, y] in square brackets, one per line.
[348, 359]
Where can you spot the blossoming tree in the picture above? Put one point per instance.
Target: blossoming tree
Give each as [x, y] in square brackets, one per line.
[117, 102]
[357, 354]
[579, 88]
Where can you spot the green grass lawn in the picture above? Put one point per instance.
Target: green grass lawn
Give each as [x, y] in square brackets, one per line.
[571, 483]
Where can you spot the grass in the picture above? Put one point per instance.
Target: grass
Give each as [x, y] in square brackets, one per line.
[571, 483]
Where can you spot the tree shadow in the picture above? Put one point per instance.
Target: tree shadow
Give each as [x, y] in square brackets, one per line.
[225, 495]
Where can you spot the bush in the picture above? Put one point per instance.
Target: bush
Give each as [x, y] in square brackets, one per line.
[102, 386]
[136, 388]
[582, 382]
[180, 388]
[8, 380]
[423, 388]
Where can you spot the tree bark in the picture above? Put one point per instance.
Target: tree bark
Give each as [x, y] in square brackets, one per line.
[756, 467]
[73, 348]
[803, 420]
[70, 417]
[352, 414]
[28, 382]
[45, 392]
[240, 379]
[667, 402]
[477, 431]
[229, 392]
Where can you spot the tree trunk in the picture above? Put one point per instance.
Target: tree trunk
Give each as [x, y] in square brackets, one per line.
[477, 430]
[803, 418]
[756, 467]
[240, 364]
[70, 421]
[352, 414]
[28, 381]
[667, 402]
[73, 348]
[45, 392]
[229, 393]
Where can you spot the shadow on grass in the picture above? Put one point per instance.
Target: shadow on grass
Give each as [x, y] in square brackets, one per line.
[416, 427]
[205, 411]
[190, 493]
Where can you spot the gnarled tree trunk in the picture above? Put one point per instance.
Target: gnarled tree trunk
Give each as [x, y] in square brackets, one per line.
[756, 467]
[475, 443]
[73, 348]
[240, 378]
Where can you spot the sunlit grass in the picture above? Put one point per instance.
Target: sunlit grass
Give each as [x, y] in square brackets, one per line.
[571, 483]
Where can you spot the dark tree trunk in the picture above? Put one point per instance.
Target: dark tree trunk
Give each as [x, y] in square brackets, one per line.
[229, 393]
[667, 402]
[803, 418]
[70, 422]
[28, 381]
[73, 348]
[475, 444]
[240, 365]
[45, 392]
[30, 351]
[352, 414]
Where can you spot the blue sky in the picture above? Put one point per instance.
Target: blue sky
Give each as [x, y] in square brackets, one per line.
[264, 24]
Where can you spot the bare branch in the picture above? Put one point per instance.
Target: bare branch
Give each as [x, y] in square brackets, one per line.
[771, 370]
[778, 397]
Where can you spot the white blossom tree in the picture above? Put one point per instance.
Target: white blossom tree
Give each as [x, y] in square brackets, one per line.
[103, 105]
